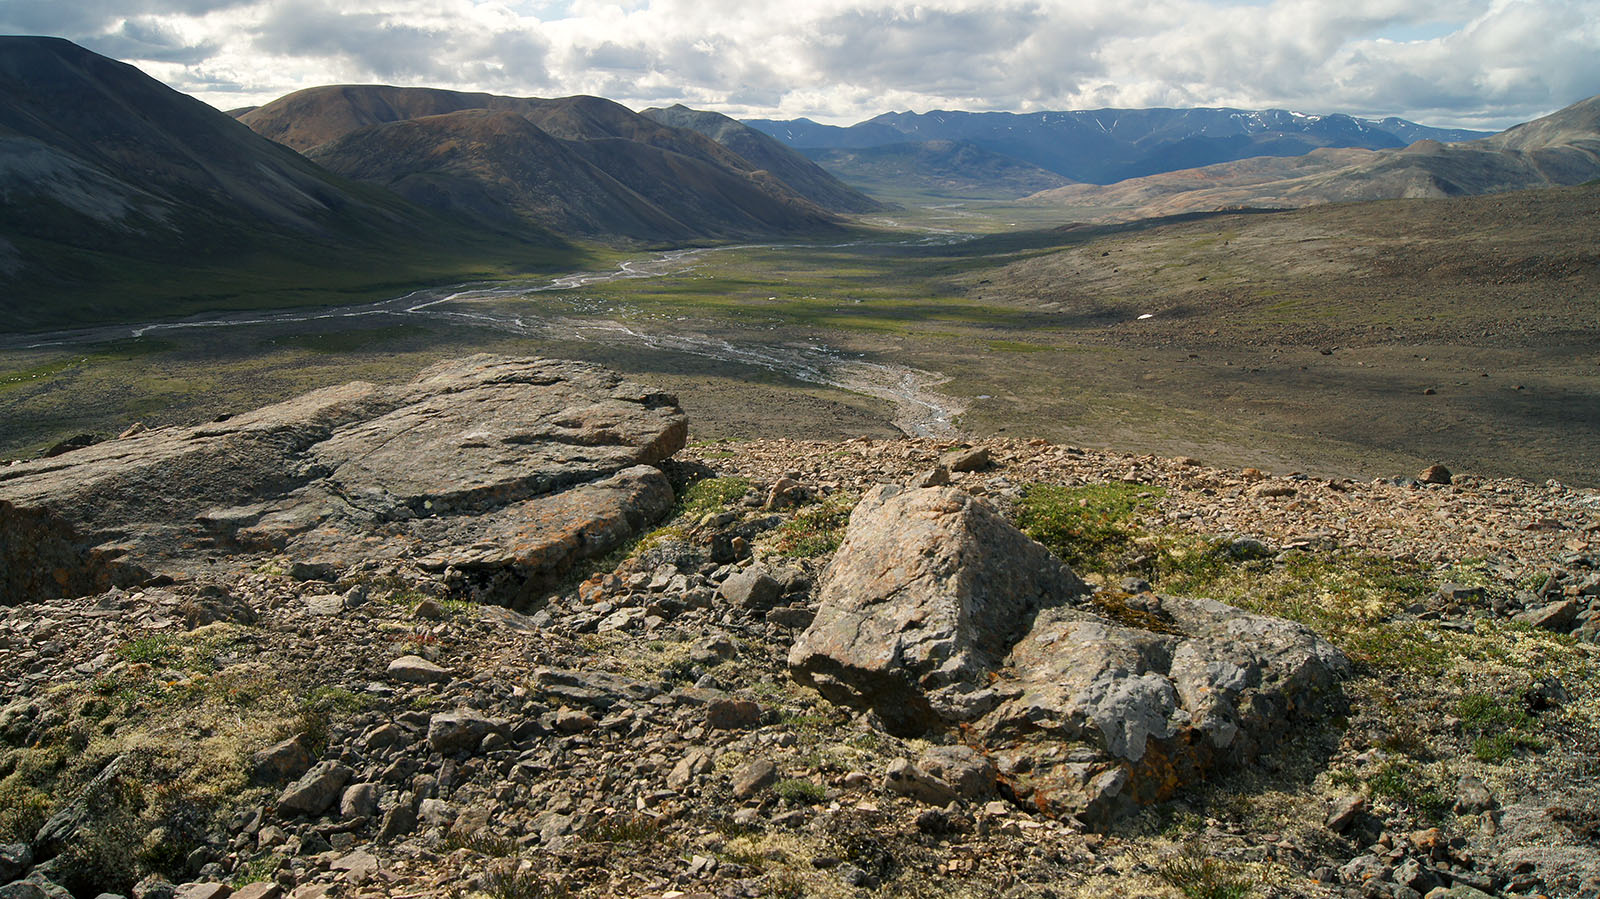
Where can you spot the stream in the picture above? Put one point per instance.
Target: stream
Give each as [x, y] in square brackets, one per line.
[919, 410]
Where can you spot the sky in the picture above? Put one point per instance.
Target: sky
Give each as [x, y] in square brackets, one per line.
[1464, 63]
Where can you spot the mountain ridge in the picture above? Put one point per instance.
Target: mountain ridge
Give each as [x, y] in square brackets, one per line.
[112, 178]
[1103, 146]
[643, 179]
[1560, 149]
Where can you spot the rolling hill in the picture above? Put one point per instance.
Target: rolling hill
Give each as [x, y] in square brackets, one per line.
[124, 198]
[1102, 146]
[579, 165]
[1559, 149]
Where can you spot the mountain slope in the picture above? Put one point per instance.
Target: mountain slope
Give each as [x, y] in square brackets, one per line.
[955, 169]
[793, 169]
[1102, 146]
[630, 176]
[109, 177]
[1559, 149]
[498, 167]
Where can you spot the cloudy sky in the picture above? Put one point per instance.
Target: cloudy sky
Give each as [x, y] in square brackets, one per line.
[1473, 63]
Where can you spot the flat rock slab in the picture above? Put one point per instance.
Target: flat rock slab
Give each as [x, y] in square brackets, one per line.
[509, 469]
[940, 617]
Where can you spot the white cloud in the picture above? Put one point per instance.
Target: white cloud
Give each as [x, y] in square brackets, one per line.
[1486, 63]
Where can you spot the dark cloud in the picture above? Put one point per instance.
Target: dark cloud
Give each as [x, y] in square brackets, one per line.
[373, 43]
[76, 19]
[146, 40]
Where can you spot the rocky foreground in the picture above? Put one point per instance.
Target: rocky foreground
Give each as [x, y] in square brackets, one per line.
[498, 632]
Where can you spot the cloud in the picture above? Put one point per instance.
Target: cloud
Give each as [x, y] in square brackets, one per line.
[1487, 63]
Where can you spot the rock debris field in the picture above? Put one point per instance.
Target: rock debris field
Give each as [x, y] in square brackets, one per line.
[504, 631]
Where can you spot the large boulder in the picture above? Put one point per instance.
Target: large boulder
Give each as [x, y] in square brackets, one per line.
[929, 591]
[507, 469]
[937, 615]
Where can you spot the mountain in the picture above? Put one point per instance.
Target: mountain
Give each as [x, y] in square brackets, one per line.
[496, 167]
[1102, 146]
[580, 165]
[793, 169]
[955, 169]
[111, 178]
[1560, 149]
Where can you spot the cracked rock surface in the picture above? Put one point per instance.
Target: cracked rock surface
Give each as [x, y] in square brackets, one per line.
[938, 614]
[506, 469]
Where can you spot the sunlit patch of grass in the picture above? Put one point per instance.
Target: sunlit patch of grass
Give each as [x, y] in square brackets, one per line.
[815, 530]
[1091, 527]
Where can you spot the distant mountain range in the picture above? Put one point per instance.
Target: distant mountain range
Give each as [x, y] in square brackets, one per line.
[125, 199]
[938, 168]
[1560, 149]
[1102, 146]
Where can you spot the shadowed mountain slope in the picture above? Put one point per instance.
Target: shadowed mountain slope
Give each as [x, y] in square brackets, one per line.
[1557, 150]
[629, 176]
[793, 169]
[111, 178]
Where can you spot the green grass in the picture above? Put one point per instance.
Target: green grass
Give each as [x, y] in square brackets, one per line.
[1499, 728]
[1090, 528]
[1199, 876]
[799, 791]
[1404, 782]
[814, 530]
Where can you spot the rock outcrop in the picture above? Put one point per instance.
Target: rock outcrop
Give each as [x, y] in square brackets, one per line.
[506, 470]
[936, 614]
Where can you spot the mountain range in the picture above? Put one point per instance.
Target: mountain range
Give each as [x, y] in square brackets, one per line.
[124, 198]
[115, 185]
[1102, 146]
[1560, 149]
[578, 165]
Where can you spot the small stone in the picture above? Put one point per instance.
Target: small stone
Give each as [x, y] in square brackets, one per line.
[202, 891]
[1473, 796]
[1434, 474]
[1556, 616]
[459, 731]
[398, 822]
[261, 889]
[417, 670]
[15, 860]
[359, 801]
[572, 721]
[281, 762]
[732, 714]
[752, 589]
[937, 476]
[908, 780]
[314, 792]
[966, 459]
[1344, 813]
[753, 778]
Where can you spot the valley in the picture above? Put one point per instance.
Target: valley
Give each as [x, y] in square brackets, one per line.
[1341, 340]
